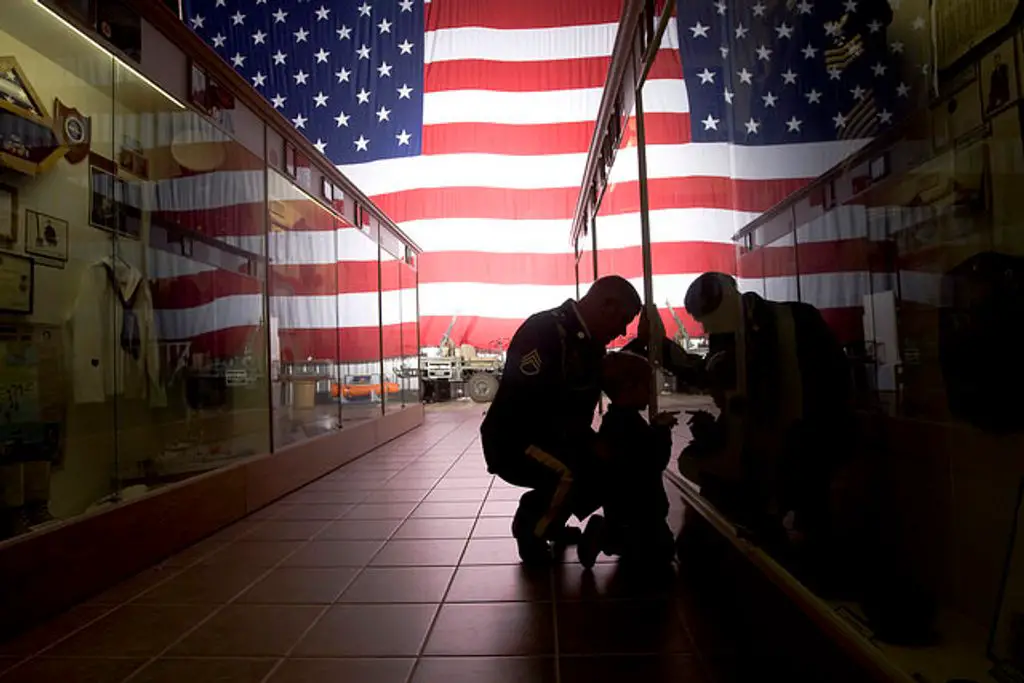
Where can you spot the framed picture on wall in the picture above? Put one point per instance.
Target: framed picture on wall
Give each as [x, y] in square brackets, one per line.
[289, 160]
[46, 236]
[999, 78]
[17, 282]
[114, 205]
[8, 214]
[197, 86]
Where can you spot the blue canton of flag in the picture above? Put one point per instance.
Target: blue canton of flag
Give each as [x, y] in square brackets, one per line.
[349, 75]
[786, 71]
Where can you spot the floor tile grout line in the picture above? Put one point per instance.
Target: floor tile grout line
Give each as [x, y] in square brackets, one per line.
[362, 569]
[350, 583]
[249, 586]
[451, 580]
[216, 611]
[107, 610]
[220, 608]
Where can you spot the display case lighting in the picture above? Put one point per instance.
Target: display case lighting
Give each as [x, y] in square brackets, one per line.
[96, 44]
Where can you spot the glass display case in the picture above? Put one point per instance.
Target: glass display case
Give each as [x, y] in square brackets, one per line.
[182, 290]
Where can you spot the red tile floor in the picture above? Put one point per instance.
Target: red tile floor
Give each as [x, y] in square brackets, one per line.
[396, 568]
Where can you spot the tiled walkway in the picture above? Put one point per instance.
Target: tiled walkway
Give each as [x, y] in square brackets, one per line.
[398, 567]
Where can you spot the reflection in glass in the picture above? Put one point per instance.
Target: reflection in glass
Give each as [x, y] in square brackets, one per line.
[391, 327]
[359, 322]
[585, 274]
[303, 314]
[410, 365]
[200, 246]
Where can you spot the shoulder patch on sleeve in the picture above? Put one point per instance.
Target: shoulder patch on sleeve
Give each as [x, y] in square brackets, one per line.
[530, 363]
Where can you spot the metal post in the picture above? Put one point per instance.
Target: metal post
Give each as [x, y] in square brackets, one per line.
[654, 347]
[593, 243]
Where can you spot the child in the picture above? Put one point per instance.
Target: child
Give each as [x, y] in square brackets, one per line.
[636, 506]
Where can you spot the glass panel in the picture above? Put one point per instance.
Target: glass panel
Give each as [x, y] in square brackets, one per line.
[750, 266]
[585, 274]
[303, 314]
[192, 224]
[57, 375]
[779, 258]
[846, 272]
[410, 368]
[391, 326]
[359, 321]
[617, 225]
[937, 248]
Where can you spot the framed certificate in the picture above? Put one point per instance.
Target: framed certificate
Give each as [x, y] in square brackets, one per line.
[17, 282]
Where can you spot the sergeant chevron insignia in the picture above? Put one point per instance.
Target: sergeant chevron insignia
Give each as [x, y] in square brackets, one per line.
[530, 363]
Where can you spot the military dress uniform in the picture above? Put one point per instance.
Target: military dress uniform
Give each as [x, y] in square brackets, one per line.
[538, 431]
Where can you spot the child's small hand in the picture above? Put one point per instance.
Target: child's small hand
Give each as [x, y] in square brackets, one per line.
[666, 419]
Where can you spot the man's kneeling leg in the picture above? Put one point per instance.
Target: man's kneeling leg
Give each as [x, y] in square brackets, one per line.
[544, 510]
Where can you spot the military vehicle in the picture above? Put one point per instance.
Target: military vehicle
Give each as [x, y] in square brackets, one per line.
[461, 370]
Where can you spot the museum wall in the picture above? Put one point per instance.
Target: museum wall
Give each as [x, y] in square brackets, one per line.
[173, 306]
[88, 458]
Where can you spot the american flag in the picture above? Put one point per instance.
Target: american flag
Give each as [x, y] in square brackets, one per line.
[468, 123]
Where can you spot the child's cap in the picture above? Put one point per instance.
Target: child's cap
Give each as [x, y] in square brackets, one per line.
[621, 369]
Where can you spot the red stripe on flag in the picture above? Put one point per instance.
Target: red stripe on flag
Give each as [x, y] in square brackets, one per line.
[540, 139]
[559, 269]
[541, 76]
[524, 14]
[559, 203]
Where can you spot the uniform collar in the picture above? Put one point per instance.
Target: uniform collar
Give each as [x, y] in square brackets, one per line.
[583, 323]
